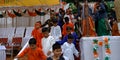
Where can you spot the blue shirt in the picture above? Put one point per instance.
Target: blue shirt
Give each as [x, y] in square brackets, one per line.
[65, 38]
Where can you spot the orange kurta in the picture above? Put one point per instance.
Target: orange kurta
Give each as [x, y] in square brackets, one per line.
[64, 32]
[36, 33]
[36, 54]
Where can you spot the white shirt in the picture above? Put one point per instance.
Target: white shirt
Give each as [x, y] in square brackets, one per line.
[56, 32]
[47, 44]
[68, 50]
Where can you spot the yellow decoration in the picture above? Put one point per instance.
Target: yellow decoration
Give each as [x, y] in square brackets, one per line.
[29, 2]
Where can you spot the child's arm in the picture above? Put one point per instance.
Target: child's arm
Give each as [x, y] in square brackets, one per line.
[42, 55]
[75, 52]
[63, 47]
[52, 41]
[63, 40]
[60, 33]
[22, 54]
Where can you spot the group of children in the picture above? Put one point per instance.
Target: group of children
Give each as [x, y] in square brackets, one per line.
[48, 43]
[56, 38]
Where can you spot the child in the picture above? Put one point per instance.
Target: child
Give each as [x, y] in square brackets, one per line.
[67, 23]
[56, 30]
[33, 52]
[69, 49]
[36, 33]
[65, 38]
[57, 52]
[47, 41]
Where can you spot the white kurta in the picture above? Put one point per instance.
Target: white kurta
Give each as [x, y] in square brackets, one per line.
[47, 44]
[56, 32]
[68, 51]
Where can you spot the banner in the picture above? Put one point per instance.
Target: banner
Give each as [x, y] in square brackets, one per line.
[28, 2]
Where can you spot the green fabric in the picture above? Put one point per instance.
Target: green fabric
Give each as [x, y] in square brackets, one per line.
[107, 58]
[73, 7]
[110, 5]
[102, 30]
[95, 41]
[107, 46]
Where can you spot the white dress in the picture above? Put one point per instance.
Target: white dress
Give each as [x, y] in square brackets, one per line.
[68, 50]
[56, 32]
[47, 44]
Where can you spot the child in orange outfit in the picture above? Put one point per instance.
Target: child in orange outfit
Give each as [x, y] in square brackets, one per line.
[67, 23]
[36, 33]
[32, 52]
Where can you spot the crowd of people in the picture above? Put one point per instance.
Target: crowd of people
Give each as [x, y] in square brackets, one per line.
[57, 38]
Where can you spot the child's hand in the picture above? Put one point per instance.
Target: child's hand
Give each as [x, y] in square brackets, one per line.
[60, 38]
[49, 52]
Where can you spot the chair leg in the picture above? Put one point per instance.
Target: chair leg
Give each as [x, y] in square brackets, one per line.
[12, 54]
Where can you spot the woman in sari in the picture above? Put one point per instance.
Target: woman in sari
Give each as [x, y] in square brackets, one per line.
[88, 27]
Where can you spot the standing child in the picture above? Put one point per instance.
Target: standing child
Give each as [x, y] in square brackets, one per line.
[56, 30]
[57, 52]
[69, 49]
[67, 23]
[47, 41]
[36, 33]
[33, 52]
[65, 38]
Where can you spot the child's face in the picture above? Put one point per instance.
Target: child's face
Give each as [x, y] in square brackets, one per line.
[33, 46]
[70, 41]
[57, 52]
[46, 34]
[37, 25]
[55, 24]
[69, 31]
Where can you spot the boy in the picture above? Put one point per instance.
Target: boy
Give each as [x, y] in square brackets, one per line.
[33, 52]
[68, 48]
[56, 30]
[57, 52]
[47, 41]
[36, 33]
[67, 23]
[65, 38]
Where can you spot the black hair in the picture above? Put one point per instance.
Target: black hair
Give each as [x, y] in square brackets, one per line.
[68, 28]
[56, 46]
[32, 41]
[56, 14]
[54, 20]
[45, 29]
[38, 22]
[70, 36]
[99, 0]
[66, 19]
